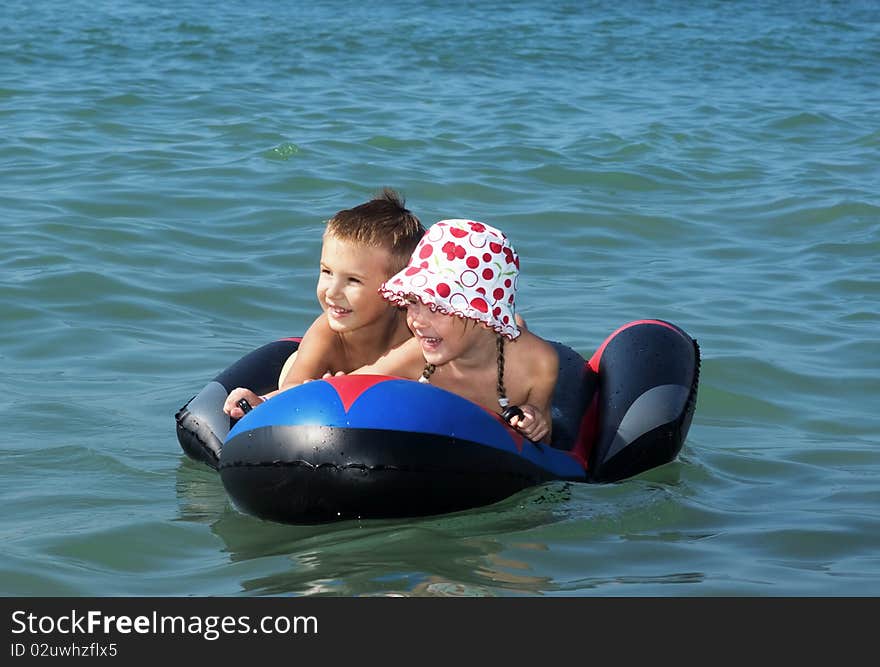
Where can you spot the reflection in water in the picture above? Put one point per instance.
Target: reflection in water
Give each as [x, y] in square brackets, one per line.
[200, 494]
[455, 554]
[496, 570]
[548, 540]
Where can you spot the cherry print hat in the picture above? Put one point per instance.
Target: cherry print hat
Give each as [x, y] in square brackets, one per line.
[463, 268]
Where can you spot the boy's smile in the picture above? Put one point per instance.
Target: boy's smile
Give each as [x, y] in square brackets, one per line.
[337, 312]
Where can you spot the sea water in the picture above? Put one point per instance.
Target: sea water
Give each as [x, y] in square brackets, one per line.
[165, 172]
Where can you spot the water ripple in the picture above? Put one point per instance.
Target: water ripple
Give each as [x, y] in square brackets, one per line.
[166, 173]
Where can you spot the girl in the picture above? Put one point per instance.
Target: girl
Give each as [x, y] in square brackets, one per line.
[458, 290]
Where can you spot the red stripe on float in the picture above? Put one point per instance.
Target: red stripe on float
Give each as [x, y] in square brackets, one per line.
[517, 437]
[586, 433]
[350, 387]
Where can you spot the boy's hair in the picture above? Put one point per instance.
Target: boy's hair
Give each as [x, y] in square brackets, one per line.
[382, 222]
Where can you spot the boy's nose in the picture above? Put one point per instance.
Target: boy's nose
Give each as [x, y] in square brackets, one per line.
[334, 289]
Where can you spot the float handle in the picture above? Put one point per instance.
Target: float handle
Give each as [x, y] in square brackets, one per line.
[509, 413]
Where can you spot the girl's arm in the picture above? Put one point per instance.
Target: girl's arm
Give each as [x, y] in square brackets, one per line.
[404, 361]
[537, 422]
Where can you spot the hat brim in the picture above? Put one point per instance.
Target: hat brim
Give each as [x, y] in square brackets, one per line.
[464, 303]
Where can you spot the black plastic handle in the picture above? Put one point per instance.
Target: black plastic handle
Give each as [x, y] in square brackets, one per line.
[512, 411]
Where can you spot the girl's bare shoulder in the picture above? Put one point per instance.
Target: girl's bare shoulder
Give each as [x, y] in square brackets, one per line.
[535, 351]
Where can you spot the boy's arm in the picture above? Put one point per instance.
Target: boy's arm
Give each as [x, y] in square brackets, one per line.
[404, 361]
[316, 355]
[231, 406]
[313, 358]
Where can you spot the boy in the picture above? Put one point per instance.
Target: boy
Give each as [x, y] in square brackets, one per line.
[362, 248]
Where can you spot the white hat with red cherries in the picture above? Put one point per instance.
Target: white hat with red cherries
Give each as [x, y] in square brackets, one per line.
[463, 268]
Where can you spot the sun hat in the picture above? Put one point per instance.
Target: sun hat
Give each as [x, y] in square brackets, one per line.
[463, 268]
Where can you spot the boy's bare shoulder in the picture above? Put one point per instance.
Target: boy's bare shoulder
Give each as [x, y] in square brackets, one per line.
[320, 330]
[321, 341]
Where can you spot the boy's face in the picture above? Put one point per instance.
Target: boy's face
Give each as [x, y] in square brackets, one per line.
[348, 286]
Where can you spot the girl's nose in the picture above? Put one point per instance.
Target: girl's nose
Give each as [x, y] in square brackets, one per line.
[414, 311]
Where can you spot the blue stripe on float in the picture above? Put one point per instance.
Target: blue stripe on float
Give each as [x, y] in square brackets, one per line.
[402, 405]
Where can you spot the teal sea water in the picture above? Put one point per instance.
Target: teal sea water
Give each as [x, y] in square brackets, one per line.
[165, 171]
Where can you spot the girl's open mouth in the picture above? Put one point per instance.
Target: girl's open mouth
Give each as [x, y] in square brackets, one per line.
[430, 342]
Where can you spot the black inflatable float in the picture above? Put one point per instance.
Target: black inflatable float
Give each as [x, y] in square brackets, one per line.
[366, 446]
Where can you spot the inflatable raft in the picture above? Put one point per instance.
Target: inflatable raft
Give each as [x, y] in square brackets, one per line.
[367, 446]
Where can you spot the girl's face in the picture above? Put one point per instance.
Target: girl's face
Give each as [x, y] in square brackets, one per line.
[441, 337]
[348, 286]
